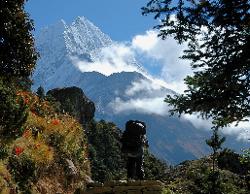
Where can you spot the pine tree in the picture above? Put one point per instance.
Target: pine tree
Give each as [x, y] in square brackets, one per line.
[218, 37]
[215, 142]
[17, 52]
[17, 61]
[40, 92]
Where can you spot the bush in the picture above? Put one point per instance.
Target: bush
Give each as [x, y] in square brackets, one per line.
[105, 154]
[196, 177]
[167, 191]
[13, 112]
[44, 149]
[23, 170]
[33, 148]
[6, 184]
[3, 152]
[230, 160]
[154, 168]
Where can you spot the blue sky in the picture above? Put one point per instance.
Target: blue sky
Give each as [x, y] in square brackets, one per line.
[120, 19]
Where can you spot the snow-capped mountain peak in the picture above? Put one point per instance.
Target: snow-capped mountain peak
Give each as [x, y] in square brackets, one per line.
[82, 36]
[67, 50]
[57, 44]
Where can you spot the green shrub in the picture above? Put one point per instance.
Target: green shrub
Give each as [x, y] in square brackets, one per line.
[13, 112]
[23, 170]
[3, 152]
[167, 191]
[6, 183]
[107, 162]
[154, 168]
[229, 160]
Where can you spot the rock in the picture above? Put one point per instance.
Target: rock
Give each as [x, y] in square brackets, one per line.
[115, 183]
[71, 169]
[152, 182]
[127, 187]
[95, 184]
[100, 190]
[74, 101]
[88, 179]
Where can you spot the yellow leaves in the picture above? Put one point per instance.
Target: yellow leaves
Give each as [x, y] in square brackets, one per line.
[27, 133]
[6, 184]
[4, 172]
[48, 136]
[36, 149]
[36, 105]
[70, 139]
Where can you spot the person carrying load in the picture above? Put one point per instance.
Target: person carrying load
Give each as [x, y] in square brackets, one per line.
[133, 144]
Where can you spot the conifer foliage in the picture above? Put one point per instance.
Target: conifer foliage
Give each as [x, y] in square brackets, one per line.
[218, 37]
[104, 150]
[17, 61]
[215, 143]
[17, 52]
[13, 111]
[40, 92]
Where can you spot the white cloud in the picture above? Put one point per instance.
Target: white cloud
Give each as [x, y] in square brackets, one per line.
[145, 96]
[121, 57]
[167, 52]
[241, 131]
[197, 121]
[142, 105]
[146, 42]
[113, 59]
[142, 85]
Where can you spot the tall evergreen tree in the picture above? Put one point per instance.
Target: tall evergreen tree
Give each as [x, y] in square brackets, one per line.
[215, 142]
[218, 37]
[17, 52]
[17, 60]
[40, 92]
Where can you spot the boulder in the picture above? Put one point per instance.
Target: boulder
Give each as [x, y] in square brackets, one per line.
[75, 102]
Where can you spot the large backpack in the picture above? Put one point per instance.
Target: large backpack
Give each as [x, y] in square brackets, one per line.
[132, 137]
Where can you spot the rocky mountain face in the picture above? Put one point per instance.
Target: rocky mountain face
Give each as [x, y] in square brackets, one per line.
[117, 97]
[74, 101]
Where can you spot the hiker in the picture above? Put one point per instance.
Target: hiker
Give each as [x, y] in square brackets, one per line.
[133, 142]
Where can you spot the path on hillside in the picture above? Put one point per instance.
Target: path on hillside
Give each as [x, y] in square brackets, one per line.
[124, 187]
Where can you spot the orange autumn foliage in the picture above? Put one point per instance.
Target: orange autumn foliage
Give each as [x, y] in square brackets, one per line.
[55, 121]
[49, 138]
[18, 150]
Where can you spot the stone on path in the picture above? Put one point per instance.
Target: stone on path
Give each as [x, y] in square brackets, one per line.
[126, 187]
